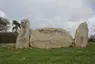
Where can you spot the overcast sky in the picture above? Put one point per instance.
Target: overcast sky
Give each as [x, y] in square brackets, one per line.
[67, 14]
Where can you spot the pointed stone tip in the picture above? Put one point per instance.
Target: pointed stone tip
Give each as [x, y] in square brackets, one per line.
[24, 20]
[85, 22]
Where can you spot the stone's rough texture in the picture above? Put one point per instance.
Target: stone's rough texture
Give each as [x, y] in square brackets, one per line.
[23, 36]
[81, 36]
[50, 38]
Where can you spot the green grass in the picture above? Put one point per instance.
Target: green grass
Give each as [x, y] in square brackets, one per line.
[10, 55]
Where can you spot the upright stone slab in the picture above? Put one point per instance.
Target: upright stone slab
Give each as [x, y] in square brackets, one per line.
[81, 36]
[23, 36]
[50, 38]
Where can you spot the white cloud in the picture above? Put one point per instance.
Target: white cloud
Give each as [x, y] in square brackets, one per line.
[2, 14]
[91, 23]
[67, 14]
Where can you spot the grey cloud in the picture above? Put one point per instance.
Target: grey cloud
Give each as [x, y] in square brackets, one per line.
[49, 13]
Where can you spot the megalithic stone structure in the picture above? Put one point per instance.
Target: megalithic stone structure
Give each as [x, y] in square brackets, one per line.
[81, 36]
[23, 35]
[50, 38]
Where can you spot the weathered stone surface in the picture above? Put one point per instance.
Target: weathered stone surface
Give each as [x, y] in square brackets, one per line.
[50, 38]
[81, 36]
[23, 36]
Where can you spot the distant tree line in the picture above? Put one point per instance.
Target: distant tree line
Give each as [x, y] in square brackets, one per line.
[8, 37]
[4, 22]
[92, 38]
[16, 27]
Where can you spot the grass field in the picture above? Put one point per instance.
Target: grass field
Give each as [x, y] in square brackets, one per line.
[10, 55]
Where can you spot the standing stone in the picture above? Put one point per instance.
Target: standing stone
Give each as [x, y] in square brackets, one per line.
[50, 38]
[23, 36]
[81, 36]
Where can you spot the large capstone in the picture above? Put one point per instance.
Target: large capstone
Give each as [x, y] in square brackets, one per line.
[50, 38]
[23, 36]
[81, 36]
